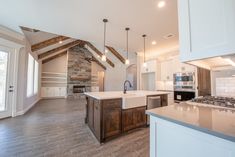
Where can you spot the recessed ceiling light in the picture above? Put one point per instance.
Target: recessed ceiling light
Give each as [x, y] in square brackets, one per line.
[161, 4]
[154, 42]
[60, 42]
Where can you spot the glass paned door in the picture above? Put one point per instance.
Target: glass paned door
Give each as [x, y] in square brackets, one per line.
[7, 75]
[3, 80]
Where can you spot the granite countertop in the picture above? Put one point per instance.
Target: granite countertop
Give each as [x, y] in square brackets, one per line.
[120, 94]
[214, 121]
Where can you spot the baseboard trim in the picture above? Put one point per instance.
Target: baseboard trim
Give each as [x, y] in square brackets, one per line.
[28, 108]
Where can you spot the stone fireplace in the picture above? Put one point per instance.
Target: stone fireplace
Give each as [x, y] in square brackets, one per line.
[79, 72]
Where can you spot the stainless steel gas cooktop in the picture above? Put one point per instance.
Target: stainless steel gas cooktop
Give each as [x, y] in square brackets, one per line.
[216, 101]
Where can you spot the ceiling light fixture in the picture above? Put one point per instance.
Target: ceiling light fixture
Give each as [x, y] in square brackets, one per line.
[127, 48]
[60, 42]
[103, 58]
[145, 64]
[161, 4]
[154, 42]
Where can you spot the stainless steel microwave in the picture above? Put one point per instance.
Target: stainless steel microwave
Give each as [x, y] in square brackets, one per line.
[184, 81]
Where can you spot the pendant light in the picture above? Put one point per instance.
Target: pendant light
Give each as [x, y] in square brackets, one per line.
[127, 57]
[145, 64]
[103, 58]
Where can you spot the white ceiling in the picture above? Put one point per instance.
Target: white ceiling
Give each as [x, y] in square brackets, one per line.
[82, 19]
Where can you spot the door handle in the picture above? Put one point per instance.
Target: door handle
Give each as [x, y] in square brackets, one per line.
[10, 90]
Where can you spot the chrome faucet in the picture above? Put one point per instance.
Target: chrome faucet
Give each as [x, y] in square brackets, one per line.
[125, 87]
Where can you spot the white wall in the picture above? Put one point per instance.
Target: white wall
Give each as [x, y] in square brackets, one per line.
[57, 65]
[115, 77]
[24, 102]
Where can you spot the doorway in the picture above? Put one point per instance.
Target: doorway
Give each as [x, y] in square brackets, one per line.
[131, 75]
[7, 96]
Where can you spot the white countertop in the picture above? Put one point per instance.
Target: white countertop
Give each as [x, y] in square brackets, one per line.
[215, 121]
[120, 94]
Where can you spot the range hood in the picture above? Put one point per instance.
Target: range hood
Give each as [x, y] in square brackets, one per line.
[215, 63]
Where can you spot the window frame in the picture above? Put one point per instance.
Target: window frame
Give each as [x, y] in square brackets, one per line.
[32, 76]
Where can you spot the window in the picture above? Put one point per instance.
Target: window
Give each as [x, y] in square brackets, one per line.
[35, 89]
[32, 76]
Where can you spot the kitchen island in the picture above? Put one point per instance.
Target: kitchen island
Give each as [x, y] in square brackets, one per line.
[111, 114]
[184, 130]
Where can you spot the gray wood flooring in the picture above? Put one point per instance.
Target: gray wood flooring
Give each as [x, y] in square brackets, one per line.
[56, 128]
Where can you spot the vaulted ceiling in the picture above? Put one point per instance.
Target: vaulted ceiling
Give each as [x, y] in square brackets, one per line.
[82, 19]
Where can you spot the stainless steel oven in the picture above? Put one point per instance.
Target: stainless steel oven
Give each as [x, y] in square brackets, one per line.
[184, 86]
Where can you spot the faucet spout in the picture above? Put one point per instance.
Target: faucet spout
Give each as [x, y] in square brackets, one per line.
[125, 87]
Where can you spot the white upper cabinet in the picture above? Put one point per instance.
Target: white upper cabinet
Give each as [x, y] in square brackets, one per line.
[167, 70]
[151, 67]
[169, 67]
[206, 28]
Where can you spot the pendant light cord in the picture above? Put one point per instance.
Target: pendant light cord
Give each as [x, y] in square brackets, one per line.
[144, 46]
[105, 21]
[127, 42]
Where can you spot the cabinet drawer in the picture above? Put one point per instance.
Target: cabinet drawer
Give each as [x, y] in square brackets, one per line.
[114, 103]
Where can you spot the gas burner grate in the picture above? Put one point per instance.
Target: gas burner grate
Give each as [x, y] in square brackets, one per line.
[217, 101]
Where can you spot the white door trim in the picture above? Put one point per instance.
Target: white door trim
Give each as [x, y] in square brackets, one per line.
[14, 49]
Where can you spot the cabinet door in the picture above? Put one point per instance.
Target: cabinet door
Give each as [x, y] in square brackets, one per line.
[56, 91]
[206, 28]
[166, 70]
[128, 121]
[62, 91]
[111, 118]
[90, 109]
[140, 117]
[49, 92]
[151, 66]
[163, 71]
[96, 122]
[204, 82]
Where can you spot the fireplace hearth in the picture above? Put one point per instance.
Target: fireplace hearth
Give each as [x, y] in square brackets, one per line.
[79, 89]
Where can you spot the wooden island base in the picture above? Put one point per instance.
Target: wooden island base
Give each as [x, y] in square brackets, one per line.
[107, 119]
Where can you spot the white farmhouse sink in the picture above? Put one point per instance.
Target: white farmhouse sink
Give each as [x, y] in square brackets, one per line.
[133, 100]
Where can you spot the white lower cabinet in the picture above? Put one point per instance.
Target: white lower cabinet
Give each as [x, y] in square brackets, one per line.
[53, 92]
[168, 139]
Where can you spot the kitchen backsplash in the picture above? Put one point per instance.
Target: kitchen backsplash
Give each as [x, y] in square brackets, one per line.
[225, 86]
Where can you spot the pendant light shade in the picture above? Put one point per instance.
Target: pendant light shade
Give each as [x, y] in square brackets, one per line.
[103, 58]
[127, 48]
[144, 64]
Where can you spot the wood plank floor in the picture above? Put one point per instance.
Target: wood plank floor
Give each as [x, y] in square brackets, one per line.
[56, 128]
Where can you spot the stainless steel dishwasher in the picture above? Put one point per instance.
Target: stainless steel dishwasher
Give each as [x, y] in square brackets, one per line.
[153, 102]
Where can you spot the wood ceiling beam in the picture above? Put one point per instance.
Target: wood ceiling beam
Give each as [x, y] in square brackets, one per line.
[98, 62]
[54, 57]
[48, 42]
[63, 47]
[115, 53]
[29, 29]
[99, 53]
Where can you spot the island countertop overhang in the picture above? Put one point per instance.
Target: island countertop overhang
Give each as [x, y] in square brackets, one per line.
[119, 94]
[213, 121]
